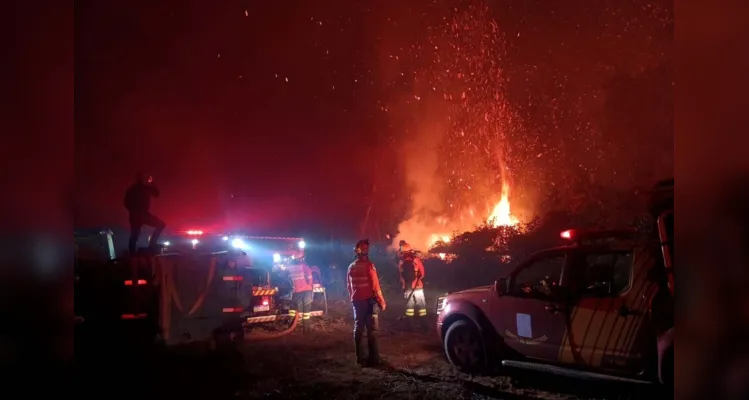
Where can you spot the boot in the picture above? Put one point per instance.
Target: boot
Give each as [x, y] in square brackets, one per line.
[359, 349]
[374, 352]
[423, 324]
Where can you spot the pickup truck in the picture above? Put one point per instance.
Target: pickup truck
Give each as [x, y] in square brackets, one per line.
[599, 307]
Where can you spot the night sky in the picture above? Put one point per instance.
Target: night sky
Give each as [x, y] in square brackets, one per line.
[285, 115]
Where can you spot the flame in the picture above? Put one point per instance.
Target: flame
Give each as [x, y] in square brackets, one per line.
[424, 232]
[500, 215]
[436, 238]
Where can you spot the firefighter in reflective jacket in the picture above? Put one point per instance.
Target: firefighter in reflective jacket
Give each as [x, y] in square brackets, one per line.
[301, 301]
[411, 271]
[366, 296]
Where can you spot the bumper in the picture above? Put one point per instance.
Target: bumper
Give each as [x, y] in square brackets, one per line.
[270, 318]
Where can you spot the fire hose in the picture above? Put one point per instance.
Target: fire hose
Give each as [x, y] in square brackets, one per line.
[276, 335]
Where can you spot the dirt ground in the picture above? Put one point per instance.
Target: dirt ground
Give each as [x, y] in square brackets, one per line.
[320, 364]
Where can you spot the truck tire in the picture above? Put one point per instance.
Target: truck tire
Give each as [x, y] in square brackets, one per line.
[464, 347]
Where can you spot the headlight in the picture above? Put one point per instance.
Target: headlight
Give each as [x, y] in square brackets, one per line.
[302, 245]
[441, 302]
[238, 243]
[276, 257]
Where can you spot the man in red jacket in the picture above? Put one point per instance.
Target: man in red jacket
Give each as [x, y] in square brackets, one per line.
[411, 271]
[301, 279]
[366, 296]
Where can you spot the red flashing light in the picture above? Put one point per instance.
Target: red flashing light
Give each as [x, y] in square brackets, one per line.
[140, 282]
[133, 316]
[266, 300]
[195, 232]
[566, 234]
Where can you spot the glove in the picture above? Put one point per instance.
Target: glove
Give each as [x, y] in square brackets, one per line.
[382, 305]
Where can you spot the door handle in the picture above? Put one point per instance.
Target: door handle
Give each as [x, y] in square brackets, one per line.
[552, 308]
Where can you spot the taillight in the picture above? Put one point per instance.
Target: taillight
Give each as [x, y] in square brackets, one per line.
[266, 300]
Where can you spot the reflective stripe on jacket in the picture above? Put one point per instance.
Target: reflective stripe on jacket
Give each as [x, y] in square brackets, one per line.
[362, 281]
[418, 282]
[301, 277]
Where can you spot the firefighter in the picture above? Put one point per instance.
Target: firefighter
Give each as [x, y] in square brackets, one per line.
[138, 201]
[411, 271]
[301, 301]
[366, 296]
[399, 254]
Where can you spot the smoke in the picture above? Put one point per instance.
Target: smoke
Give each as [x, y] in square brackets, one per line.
[494, 108]
[420, 157]
[453, 158]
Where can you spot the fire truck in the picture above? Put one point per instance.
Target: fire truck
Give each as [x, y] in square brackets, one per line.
[199, 281]
[273, 255]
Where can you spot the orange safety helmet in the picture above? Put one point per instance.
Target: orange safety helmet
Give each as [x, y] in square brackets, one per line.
[362, 247]
[405, 247]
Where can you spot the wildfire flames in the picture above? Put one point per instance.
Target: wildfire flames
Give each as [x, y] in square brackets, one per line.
[462, 110]
[500, 215]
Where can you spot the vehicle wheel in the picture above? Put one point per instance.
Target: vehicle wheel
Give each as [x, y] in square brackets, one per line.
[464, 347]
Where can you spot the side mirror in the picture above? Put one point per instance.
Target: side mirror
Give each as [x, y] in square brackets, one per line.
[500, 286]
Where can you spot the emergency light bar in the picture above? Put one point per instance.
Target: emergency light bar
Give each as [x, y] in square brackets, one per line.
[597, 235]
[195, 232]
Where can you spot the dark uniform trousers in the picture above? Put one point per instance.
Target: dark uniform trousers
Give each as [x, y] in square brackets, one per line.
[302, 301]
[366, 317]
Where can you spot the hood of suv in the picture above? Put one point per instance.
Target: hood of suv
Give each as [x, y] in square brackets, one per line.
[472, 292]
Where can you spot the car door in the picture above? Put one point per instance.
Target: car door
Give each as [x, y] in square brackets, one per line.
[528, 316]
[608, 325]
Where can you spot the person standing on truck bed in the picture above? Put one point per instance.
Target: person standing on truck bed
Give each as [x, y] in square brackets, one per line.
[366, 295]
[138, 203]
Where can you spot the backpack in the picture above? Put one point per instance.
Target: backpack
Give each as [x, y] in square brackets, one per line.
[408, 273]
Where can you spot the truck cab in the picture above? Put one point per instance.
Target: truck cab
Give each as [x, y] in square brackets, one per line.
[601, 305]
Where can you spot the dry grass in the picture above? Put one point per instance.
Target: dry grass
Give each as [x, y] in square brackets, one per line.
[320, 364]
